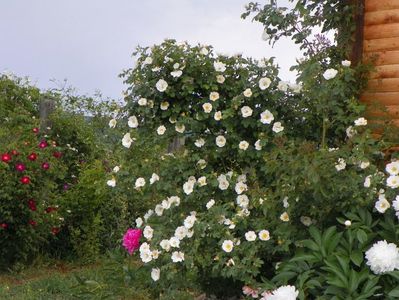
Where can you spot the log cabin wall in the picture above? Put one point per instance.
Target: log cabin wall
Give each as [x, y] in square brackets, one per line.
[381, 44]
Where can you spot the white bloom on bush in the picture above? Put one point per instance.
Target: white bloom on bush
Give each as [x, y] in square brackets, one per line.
[159, 210]
[346, 63]
[383, 257]
[393, 181]
[219, 66]
[192, 179]
[350, 132]
[142, 102]
[364, 165]
[174, 200]
[165, 245]
[154, 178]
[220, 141]
[127, 140]
[395, 203]
[240, 187]
[165, 204]
[181, 232]
[199, 142]
[161, 85]
[283, 86]
[330, 74]
[188, 187]
[284, 217]
[213, 96]
[144, 247]
[220, 79]
[227, 246]
[112, 123]
[148, 214]
[140, 182]
[204, 51]
[133, 122]
[155, 254]
[146, 256]
[148, 232]
[264, 83]
[348, 223]
[201, 164]
[295, 88]
[285, 292]
[207, 107]
[155, 274]
[242, 201]
[306, 220]
[266, 117]
[217, 116]
[265, 35]
[277, 127]
[223, 182]
[392, 168]
[360, 122]
[247, 93]
[156, 69]
[147, 61]
[264, 235]
[340, 165]
[177, 256]
[250, 236]
[139, 222]
[382, 204]
[258, 145]
[164, 105]
[176, 73]
[111, 182]
[202, 181]
[210, 203]
[161, 130]
[180, 128]
[174, 242]
[246, 111]
[242, 178]
[190, 221]
[243, 145]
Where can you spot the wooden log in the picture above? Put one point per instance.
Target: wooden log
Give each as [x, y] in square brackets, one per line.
[377, 5]
[46, 107]
[391, 98]
[391, 111]
[387, 71]
[382, 58]
[381, 17]
[381, 31]
[381, 44]
[383, 85]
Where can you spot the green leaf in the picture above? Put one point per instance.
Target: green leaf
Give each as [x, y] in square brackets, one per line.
[357, 257]
[361, 236]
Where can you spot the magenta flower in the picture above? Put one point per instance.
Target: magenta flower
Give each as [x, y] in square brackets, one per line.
[131, 240]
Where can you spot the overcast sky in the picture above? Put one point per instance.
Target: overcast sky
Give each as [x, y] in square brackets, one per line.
[89, 42]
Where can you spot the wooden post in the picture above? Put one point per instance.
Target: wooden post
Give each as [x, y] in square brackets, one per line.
[176, 144]
[46, 107]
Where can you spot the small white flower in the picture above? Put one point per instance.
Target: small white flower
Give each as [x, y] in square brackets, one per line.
[250, 236]
[283, 86]
[341, 165]
[258, 145]
[395, 203]
[393, 181]
[348, 223]
[140, 182]
[161, 130]
[176, 66]
[243, 145]
[148, 214]
[350, 132]
[392, 168]
[202, 181]
[142, 101]
[146, 256]
[181, 232]
[147, 61]
[148, 232]
[306, 221]
[201, 164]
[199, 142]
[382, 257]
[360, 122]
[264, 235]
[382, 204]
[346, 63]
[228, 246]
[139, 222]
[133, 122]
[210, 203]
[127, 140]
[165, 204]
[284, 217]
[364, 165]
[220, 141]
[189, 221]
[161, 85]
[172, 120]
[367, 182]
[295, 88]
[213, 96]
[180, 128]
[266, 117]
[204, 51]
[188, 187]
[159, 210]
[247, 93]
[240, 187]
[264, 83]
[223, 182]
[218, 115]
[285, 292]
[155, 274]
[220, 79]
[176, 73]
[112, 123]
[116, 169]
[165, 245]
[174, 242]
[164, 105]
[277, 127]
[111, 182]
[246, 111]
[330, 74]
[219, 66]
[177, 256]
[174, 200]
[207, 107]
[154, 178]
[242, 201]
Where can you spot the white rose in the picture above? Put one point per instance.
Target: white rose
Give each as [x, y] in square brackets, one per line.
[220, 78]
[266, 117]
[112, 123]
[161, 85]
[247, 93]
[330, 74]
[277, 127]
[264, 83]
[227, 246]
[154, 178]
[346, 63]
[258, 145]
[220, 141]
[161, 130]
[341, 165]
[213, 96]
[360, 122]
[246, 111]
[199, 142]
[111, 182]
[142, 101]
[217, 116]
[219, 66]
[176, 73]
[127, 140]
[243, 145]
[164, 105]
[250, 236]
[148, 232]
[264, 235]
[392, 168]
[283, 86]
[177, 256]
[202, 181]
[133, 122]
[207, 107]
[155, 274]
[210, 203]
[140, 182]
[180, 128]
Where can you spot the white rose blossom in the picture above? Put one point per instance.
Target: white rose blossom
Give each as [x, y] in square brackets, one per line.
[164, 105]
[176, 73]
[283, 86]
[133, 122]
[382, 204]
[180, 128]
[346, 63]
[161, 130]
[161, 85]
[286, 292]
[264, 83]
[213, 96]
[220, 141]
[210, 203]
[264, 235]
[246, 111]
[112, 123]
[111, 182]
[247, 93]
[207, 107]
[217, 116]
[250, 236]
[140, 182]
[258, 145]
[393, 181]
[266, 117]
[155, 274]
[127, 140]
[330, 74]
[277, 127]
[142, 101]
[392, 168]
[154, 178]
[177, 256]
[243, 145]
[219, 66]
[340, 165]
[148, 232]
[227, 246]
[220, 79]
[360, 122]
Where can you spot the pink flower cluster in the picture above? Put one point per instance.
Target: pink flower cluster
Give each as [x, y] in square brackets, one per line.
[131, 240]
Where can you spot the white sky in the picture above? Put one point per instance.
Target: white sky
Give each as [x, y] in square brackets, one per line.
[89, 42]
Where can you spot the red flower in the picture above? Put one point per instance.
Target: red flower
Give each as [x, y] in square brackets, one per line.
[4, 225]
[20, 167]
[14, 152]
[35, 130]
[33, 223]
[45, 165]
[25, 180]
[57, 154]
[32, 204]
[55, 230]
[6, 157]
[32, 156]
[43, 144]
[50, 209]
